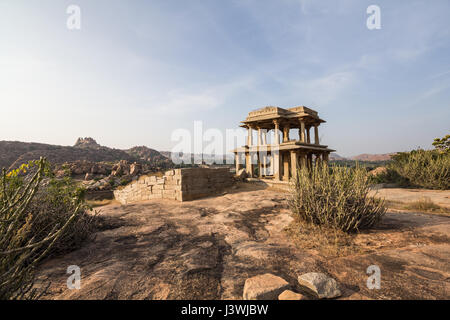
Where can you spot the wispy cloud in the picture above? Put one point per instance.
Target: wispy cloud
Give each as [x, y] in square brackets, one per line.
[440, 74]
[433, 91]
[179, 104]
[327, 88]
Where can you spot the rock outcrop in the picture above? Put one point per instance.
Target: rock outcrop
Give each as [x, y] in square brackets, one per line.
[322, 285]
[264, 287]
[86, 143]
[291, 295]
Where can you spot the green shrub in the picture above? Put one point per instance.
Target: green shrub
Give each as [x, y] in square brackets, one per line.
[335, 197]
[124, 181]
[389, 176]
[38, 216]
[422, 168]
[112, 182]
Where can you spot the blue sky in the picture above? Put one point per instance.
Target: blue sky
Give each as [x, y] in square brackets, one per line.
[137, 70]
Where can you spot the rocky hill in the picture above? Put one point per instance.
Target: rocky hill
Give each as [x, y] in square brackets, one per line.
[14, 153]
[148, 155]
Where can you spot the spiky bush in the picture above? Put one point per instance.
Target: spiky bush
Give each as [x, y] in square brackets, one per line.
[37, 217]
[335, 197]
[423, 168]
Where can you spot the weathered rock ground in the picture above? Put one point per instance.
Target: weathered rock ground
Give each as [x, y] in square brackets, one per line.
[206, 249]
[403, 195]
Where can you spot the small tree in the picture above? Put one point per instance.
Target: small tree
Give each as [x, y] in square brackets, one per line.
[443, 144]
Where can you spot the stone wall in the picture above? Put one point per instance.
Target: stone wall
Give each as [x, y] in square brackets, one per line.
[178, 184]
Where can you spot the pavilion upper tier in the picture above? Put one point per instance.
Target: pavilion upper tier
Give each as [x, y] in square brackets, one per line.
[293, 117]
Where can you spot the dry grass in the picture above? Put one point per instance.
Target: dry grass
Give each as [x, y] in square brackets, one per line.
[424, 204]
[325, 241]
[332, 243]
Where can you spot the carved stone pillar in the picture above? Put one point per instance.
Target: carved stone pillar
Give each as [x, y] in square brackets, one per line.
[286, 133]
[286, 166]
[302, 131]
[264, 169]
[308, 135]
[249, 164]
[237, 162]
[276, 164]
[316, 134]
[260, 164]
[276, 133]
[259, 137]
[294, 164]
[249, 136]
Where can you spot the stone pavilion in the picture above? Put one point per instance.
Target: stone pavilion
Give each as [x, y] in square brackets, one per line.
[278, 159]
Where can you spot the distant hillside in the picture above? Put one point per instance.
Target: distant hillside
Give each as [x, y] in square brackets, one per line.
[335, 156]
[14, 153]
[363, 157]
[166, 154]
[373, 157]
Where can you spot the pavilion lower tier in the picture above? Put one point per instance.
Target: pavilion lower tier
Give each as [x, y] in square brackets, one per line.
[278, 162]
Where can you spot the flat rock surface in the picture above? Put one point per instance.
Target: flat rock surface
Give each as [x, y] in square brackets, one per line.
[206, 249]
[439, 197]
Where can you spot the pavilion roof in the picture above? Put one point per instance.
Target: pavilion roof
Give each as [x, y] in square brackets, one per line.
[264, 117]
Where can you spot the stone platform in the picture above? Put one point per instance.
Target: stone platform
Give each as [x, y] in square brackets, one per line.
[282, 185]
